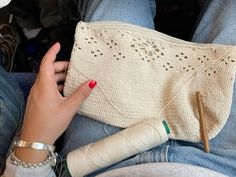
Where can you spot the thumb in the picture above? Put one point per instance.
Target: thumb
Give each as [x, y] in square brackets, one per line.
[51, 54]
[84, 90]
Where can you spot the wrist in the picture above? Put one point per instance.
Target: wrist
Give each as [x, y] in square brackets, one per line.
[51, 161]
[32, 152]
[36, 136]
[29, 155]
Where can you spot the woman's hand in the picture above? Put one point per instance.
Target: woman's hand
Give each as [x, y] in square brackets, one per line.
[48, 113]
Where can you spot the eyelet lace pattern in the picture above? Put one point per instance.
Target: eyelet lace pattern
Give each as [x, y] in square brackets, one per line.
[144, 74]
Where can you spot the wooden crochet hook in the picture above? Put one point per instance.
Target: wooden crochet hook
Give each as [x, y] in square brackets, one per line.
[202, 123]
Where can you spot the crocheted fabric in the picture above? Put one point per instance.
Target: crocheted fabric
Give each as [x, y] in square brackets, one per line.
[144, 74]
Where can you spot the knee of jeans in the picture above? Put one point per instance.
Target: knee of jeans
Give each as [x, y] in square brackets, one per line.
[135, 12]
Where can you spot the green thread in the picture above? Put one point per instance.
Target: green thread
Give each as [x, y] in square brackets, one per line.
[166, 127]
[66, 168]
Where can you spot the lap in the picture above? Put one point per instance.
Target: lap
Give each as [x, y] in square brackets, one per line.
[84, 130]
[223, 147]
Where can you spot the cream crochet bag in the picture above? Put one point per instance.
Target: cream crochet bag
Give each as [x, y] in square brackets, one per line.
[143, 74]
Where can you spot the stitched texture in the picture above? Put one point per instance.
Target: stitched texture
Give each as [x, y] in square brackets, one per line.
[144, 74]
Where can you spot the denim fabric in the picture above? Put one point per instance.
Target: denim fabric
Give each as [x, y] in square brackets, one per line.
[212, 28]
[11, 113]
[218, 23]
[24, 81]
[139, 12]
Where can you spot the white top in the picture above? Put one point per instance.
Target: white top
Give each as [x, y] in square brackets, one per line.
[162, 170]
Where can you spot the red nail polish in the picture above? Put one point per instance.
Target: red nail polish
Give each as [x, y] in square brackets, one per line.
[92, 84]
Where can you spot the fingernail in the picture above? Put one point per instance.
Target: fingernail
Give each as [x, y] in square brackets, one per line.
[55, 43]
[92, 84]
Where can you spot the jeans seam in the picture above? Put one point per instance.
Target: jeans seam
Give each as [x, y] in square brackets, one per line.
[21, 109]
[167, 153]
[153, 7]
[164, 152]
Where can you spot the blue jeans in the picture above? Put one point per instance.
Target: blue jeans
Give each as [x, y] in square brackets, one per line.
[212, 28]
[218, 23]
[11, 113]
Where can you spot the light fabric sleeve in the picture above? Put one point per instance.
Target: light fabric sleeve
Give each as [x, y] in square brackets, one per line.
[162, 170]
[17, 171]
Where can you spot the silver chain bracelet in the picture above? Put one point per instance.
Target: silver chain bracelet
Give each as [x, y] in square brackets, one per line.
[51, 160]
